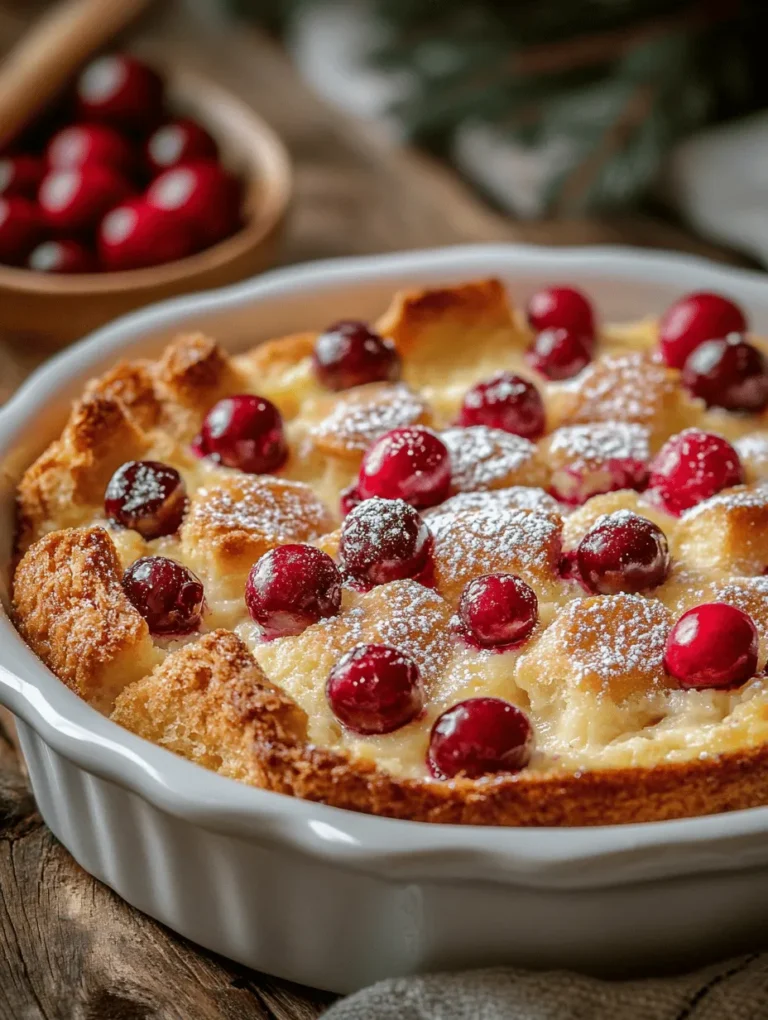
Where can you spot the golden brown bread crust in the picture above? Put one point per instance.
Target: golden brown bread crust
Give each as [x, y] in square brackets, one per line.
[415, 314]
[73, 472]
[70, 608]
[215, 691]
[229, 526]
[729, 782]
[209, 700]
[350, 421]
[114, 422]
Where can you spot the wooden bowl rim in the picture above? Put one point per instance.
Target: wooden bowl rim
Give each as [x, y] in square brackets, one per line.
[277, 184]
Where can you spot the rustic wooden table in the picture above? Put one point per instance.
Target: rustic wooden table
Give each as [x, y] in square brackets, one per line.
[69, 948]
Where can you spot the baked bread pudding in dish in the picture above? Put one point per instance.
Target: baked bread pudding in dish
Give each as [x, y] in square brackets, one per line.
[466, 564]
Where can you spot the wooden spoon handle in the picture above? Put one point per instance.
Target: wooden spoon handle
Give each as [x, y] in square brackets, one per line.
[52, 50]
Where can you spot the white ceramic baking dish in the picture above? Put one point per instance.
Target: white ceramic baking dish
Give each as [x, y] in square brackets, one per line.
[332, 898]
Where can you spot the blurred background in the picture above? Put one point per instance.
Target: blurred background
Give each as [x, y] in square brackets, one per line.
[560, 108]
[402, 124]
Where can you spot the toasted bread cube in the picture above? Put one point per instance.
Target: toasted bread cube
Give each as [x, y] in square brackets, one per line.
[211, 703]
[73, 613]
[727, 532]
[230, 525]
[484, 458]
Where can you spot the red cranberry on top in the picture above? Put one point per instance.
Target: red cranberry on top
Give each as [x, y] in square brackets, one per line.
[562, 308]
[244, 432]
[81, 144]
[694, 319]
[167, 594]
[375, 689]
[121, 90]
[623, 552]
[179, 141]
[730, 373]
[148, 496]
[559, 353]
[410, 463]
[201, 195]
[73, 202]
[292, 587]
[21, 175]
[135, 235]
[64, 256]
[498, 609]
[349, 353]
[20, 229]
[691, 467]
[477, 737]
[505, 401]
[713, 645]
[384, 540]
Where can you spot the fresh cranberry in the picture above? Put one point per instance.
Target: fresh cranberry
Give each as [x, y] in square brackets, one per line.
[498, 609]
[623, 552]
[120, 90]
[21, 175]
[135, 235]
[691, 467]
[558, 353]
[410, 463]
[562, 308]
[384, 540]
[82, 144]
[349, 354]
[245, 432]
[179, 141]
[74, 201]
[349, 499]
[478, 736]
[168, 595]
[203, 196]
[714, 645]
[375, 689]
[20, 229]
[292, 587]
[694, 319]
[147, 496]
[65, 256]
[506, 401]
[730, 373]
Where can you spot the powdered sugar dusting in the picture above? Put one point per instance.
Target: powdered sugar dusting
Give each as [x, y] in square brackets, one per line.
[517, 497]
[282, 511]
[753, 449]
[743, 496]
[404, 614]
[145, 488]
[622, 387]
[483, 457]
[359, 418]
[614, 637]
[750, 594]
[469, 544]
[600, 442]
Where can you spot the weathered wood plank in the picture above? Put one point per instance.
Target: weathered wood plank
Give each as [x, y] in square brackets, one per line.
[70, 948]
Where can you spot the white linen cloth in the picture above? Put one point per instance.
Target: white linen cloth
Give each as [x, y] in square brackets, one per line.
[735, 990]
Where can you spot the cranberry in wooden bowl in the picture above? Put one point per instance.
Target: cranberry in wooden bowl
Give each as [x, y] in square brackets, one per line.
[64, 298]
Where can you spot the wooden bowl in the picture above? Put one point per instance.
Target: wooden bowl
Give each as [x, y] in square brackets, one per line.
[62, 308]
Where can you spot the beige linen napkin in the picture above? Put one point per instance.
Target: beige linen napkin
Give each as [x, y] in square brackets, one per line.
[734, 990]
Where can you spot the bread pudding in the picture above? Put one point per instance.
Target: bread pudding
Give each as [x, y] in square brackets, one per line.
[467, 564]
